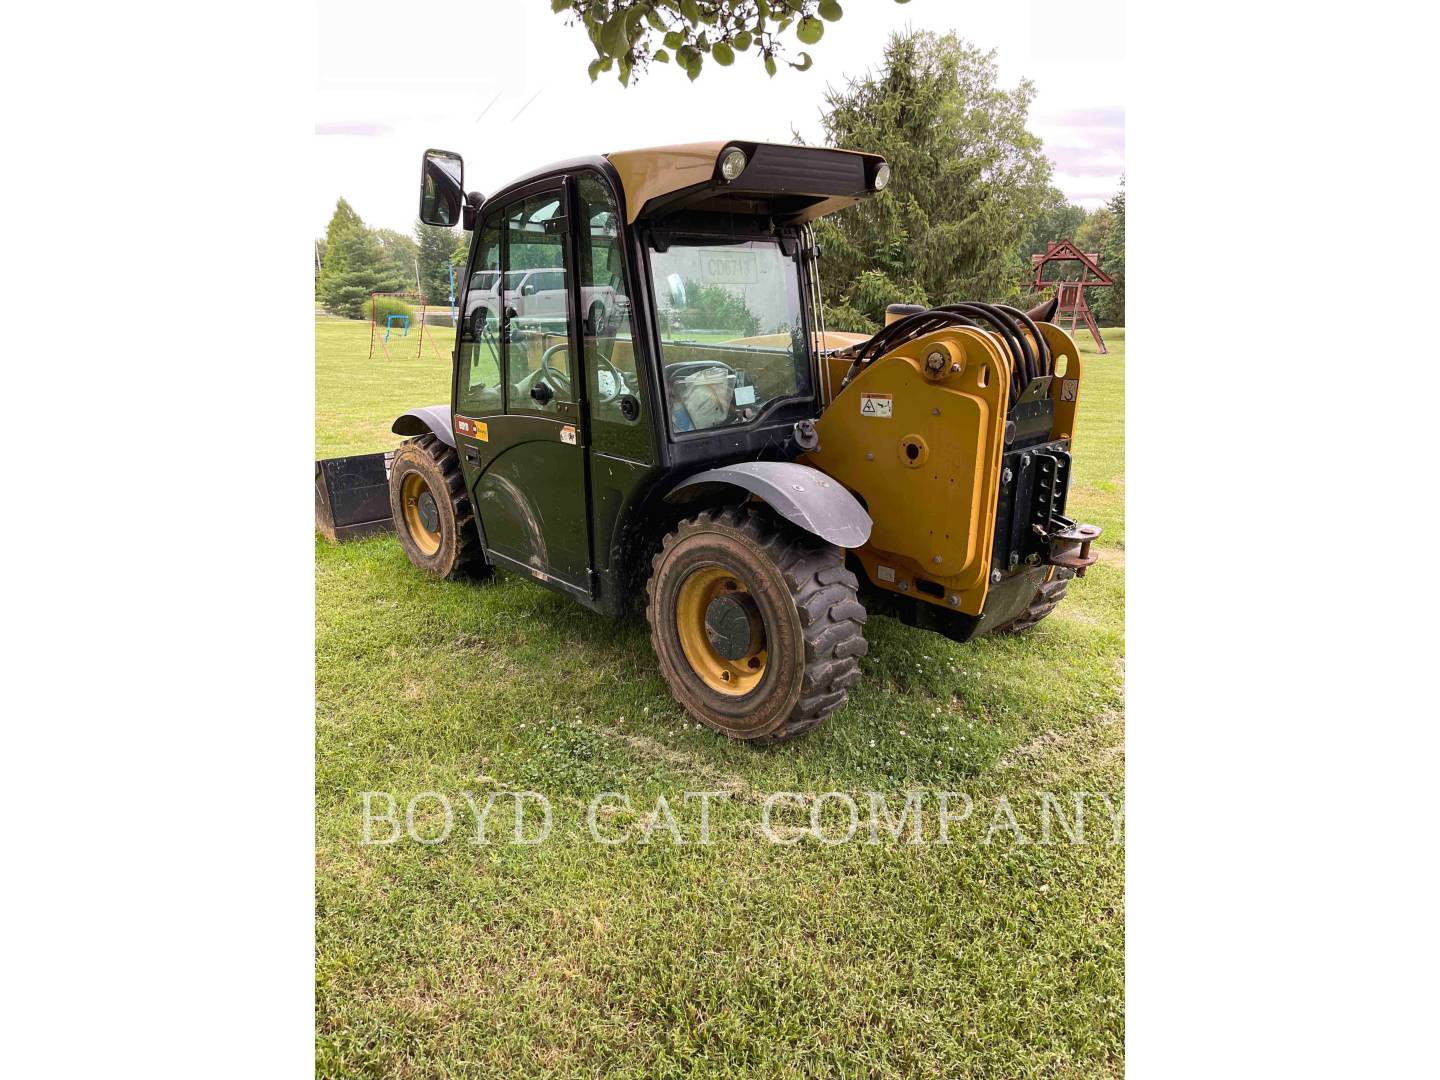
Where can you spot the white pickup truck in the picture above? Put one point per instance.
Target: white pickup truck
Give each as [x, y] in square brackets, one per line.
[536, 294]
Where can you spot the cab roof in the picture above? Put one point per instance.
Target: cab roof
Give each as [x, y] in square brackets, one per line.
[790, 183]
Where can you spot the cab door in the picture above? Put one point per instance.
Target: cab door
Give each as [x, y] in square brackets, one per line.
[522, 441]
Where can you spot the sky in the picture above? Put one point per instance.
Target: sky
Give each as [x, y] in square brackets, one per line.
[504, 83]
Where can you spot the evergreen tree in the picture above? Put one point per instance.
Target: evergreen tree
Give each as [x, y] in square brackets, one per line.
[354, 265]
[969, 181]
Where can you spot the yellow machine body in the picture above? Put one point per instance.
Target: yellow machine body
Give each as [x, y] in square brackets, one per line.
[919, 435]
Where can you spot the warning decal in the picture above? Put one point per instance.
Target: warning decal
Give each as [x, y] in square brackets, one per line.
[567, 434]
[875, 404]
[472, 429]
[1068, 389]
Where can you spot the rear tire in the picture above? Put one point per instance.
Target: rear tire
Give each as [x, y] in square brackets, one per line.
[1047, 599]
[431, 510]
[805, 624]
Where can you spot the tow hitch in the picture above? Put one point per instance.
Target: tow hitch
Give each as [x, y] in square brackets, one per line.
[1070, 545]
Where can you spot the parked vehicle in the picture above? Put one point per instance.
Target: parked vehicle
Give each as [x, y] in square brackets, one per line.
[537, 294]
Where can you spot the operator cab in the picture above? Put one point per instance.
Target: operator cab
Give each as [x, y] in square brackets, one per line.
[630, 319]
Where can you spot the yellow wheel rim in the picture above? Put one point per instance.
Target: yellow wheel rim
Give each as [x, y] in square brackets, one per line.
[422, 516]
[721, 631]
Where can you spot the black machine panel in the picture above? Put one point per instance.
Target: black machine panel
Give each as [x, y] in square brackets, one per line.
[1034, 484]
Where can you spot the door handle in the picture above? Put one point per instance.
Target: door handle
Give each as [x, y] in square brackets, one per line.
[541, 392]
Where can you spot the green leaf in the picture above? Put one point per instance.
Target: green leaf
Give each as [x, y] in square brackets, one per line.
[805, 66]
[742, 40]
[723, 54]
[653, 18]
[810, 30]
[691, 10]
[783, 24]
[763, 9]
[674, 39]
[694, 69]
[830, 11]
[595, 68]
[770, 66]
[624, 72]
[612, 37]
[558, 6]
[661, 56]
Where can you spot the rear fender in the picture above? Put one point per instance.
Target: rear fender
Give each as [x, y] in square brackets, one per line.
[429, 420]
[802, 495]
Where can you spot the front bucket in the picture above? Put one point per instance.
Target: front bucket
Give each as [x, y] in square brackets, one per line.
[352, 496]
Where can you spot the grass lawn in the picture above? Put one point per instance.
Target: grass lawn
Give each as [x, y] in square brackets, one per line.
[742, 957]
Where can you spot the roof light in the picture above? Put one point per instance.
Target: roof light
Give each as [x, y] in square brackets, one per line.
[732, 163]
[882, 176]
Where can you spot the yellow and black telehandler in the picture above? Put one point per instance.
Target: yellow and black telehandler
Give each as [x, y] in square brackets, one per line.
[646, 404]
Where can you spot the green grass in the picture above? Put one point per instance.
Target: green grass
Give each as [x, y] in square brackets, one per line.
[741, 958]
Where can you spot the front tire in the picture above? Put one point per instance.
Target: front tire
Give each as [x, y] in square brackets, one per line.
[431, 510]
[755, 623]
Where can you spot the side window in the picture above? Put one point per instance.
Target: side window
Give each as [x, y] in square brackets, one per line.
[619, 416]
[536, 332]
[480, 390]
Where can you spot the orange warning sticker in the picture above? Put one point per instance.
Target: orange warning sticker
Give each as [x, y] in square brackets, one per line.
[567, 434]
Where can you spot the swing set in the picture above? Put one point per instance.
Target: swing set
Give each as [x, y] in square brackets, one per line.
[381, 330]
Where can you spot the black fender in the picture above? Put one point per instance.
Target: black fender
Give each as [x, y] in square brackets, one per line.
[801, 495]
[430, 420]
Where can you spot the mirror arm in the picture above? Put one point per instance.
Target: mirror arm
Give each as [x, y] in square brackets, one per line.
[471, 210]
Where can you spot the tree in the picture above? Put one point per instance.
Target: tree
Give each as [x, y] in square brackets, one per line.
[399, 253]
[1110, 304]
[969, 181]
[434, 245]
[355, 265]
[1092, 237]
[629, 34]
[1057, 220]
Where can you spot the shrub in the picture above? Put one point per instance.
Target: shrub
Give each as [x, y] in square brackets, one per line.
[392, 305]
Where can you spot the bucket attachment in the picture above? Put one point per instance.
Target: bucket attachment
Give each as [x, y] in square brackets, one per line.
[352, 496]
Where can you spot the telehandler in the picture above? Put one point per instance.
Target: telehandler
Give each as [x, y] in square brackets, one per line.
[700, 439]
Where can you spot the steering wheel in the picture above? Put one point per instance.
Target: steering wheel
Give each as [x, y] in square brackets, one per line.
[561, 381]
[556, 378]
[617, 380]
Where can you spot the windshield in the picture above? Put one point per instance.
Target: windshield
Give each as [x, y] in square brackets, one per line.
[731, 335]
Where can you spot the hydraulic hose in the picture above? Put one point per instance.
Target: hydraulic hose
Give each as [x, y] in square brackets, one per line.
[1014, 327]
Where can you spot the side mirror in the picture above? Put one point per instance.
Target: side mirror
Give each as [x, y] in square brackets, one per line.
[677, 290]
[527, 290]
[442, 187]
